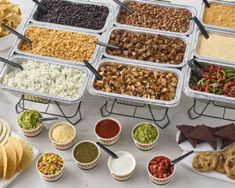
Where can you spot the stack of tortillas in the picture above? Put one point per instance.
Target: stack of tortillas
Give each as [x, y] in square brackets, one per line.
[15, 156]
[5, 131]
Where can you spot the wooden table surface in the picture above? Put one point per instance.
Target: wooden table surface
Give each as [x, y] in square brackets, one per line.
[100, 176]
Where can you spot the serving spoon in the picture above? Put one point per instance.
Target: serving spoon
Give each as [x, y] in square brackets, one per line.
[111, 153]
[47, 119]
[11, 63]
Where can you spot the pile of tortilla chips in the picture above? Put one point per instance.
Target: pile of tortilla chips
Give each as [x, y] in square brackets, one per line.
[15, 156]
[10, 15]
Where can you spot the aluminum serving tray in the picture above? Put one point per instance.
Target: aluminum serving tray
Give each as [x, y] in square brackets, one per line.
[109, 18]
[203, 95]
[220, 61]
[67, 100]
[142, 62]
[135, 99]
[65, 62]
[161, 3]
[202, 11]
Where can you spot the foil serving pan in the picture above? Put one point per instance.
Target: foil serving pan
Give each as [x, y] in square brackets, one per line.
[108, 22]
[92, 60]
[67, 100]
[135, 99]
[203, 95]
[160, 3]
[142, 62]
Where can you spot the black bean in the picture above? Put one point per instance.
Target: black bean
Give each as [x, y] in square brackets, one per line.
[73, 14]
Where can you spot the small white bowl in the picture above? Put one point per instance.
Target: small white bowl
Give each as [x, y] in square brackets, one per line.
[65, 145]
[122, 177]
[108, 141]
[141, 146]
[54, 177]
[160, 181]
[86, 166]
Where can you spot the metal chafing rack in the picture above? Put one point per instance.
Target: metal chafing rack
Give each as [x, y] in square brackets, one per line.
[164, 4]
[67, 100]
[142, 62]
[109, 18]
[65, 62]
[202, 12]
[135, 99]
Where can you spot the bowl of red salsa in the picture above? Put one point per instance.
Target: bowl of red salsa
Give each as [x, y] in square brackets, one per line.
[107, 131]
[158, 170]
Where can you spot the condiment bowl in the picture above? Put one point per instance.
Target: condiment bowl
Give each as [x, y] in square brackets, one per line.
[62, 146]
[141, 146]
[122, 176]
[160, 181]
[53, 177]
[111, 140]
[32, 132]
[90, 165]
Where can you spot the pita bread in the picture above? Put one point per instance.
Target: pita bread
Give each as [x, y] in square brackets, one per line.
[27, 157]
[16, 144]
[9, 167]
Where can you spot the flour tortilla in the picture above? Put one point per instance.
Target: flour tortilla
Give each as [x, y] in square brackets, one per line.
[6, 132]
[9, 167]
[16, 145]
[27, 157]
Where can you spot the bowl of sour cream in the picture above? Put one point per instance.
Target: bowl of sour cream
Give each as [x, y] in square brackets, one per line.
[123, 167]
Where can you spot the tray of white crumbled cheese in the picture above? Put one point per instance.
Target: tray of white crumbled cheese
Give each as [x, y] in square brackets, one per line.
[45, 79]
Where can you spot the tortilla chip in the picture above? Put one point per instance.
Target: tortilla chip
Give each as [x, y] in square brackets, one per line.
[2, 152]
[9, 168]
[16, 144]
[27, 157]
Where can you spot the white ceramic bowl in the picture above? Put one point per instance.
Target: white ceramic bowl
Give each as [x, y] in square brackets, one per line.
[67, 145]
[160, 181]
[53, 177]
[116, 175]
[108, 141]
[141, 146]
[86, 166]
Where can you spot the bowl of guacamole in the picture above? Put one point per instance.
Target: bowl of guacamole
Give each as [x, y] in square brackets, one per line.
[145, 135]
[29, 122]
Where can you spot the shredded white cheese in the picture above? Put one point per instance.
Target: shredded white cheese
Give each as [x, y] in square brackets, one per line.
[62, 134]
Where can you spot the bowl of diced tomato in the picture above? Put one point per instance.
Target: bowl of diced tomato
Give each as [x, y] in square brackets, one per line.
[158, 170]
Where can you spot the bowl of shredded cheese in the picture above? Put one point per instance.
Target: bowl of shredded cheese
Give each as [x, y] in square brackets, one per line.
[62, 135]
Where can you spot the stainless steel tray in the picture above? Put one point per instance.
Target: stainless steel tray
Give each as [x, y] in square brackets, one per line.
[220, 61]
[93, 59]
[19, 59]
[109, 18]
[161, 3]
[135, 99]
[203, 95]
[142, 62]
[202, 11]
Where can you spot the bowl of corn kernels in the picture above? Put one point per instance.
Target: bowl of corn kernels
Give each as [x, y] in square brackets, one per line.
[50, 166]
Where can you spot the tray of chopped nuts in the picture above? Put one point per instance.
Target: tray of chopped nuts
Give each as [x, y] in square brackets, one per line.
[137, 83]
[57, 44]
[147, 48]
[155, 16]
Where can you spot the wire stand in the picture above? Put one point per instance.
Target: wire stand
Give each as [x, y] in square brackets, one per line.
[204, 111]
[109, 109]
[45, 108]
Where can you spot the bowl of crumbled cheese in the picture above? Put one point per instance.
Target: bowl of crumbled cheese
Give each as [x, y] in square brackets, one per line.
[62, 135]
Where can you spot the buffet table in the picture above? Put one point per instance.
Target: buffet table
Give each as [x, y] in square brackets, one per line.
[100, 176]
